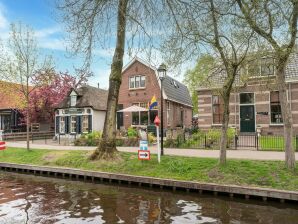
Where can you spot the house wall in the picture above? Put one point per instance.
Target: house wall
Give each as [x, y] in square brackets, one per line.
[261, 104]
[173, 116]
[98, 120]
[144, 95]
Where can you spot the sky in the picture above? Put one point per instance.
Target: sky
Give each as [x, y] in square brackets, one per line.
[51, 38]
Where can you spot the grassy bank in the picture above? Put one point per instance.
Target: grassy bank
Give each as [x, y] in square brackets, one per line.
[270, 174]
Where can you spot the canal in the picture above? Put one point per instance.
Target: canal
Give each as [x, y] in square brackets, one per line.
[32, 199]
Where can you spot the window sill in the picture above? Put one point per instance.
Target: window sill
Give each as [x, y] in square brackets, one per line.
[276, 124]
[216, 125]
[140, 88]
[139, 125]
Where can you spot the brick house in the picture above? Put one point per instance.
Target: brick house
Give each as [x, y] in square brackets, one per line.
[254, 102]
[139, 83]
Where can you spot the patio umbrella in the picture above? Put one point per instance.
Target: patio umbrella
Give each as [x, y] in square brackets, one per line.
[133, 109]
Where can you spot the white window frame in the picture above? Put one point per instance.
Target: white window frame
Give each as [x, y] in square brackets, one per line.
[71, 124]
[137, 78]
[62, 121]
[73, 101]
[85, 124]
[139, 123]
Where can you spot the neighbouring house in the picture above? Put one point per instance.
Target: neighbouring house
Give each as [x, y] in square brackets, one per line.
[10, 116]
[82, 111]
[254, 103]
[140, 83]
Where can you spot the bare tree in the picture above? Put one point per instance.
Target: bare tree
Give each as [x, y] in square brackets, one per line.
[209, 26]
[276, 22]
[19, 63]
[94, 24]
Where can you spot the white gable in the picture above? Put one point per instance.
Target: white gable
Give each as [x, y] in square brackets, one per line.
[73, 93]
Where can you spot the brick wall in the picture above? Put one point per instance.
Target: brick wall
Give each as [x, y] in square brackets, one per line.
[261, 104]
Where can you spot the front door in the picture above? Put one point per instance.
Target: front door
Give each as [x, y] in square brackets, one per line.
[119, 116]
[247, 118]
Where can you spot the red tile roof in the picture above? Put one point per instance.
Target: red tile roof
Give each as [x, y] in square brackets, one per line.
[10, 96]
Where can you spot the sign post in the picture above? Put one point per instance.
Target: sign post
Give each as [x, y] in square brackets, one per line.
[144, 155]
[143, 152]
[157, 122]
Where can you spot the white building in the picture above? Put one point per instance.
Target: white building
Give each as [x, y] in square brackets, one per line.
[82, 111]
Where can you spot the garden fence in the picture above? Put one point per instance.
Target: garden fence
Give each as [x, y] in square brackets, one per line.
[241, 141]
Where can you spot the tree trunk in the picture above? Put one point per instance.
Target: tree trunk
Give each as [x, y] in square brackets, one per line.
[28, 127]
[224, 129]
[226, 93]
[107, 147]
[286, 113]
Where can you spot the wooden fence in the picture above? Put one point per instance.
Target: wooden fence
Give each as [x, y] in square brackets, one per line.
[20, 136]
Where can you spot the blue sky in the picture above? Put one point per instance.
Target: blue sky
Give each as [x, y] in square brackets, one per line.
[41, 16]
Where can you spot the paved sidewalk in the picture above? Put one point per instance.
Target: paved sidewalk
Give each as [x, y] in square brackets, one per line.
[232, 154]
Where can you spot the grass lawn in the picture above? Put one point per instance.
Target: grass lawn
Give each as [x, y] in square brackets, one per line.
[273, 143]
[271, 174]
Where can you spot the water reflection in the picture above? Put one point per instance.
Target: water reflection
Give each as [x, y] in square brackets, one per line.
[29, 199]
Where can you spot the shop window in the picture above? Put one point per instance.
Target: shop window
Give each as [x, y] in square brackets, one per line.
[141, 117]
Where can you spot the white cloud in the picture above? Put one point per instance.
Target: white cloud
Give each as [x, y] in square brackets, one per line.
[52, 43]
[46, 32]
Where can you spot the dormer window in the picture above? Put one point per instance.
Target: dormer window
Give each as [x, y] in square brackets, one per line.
[73, 99]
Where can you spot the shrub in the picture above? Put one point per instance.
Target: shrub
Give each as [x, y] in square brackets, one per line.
[90, 139]
[132, 132]
[151, 138]
[215, 134]
[197, 139]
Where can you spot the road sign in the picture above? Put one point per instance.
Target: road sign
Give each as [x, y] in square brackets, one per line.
[144, 154]
[2, 145]
[143, 145]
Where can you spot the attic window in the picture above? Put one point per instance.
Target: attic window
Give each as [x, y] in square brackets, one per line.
[73, 99]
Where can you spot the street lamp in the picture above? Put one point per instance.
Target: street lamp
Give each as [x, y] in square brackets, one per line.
[162, 72]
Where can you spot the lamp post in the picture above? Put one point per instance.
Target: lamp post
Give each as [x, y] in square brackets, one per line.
[162, 71]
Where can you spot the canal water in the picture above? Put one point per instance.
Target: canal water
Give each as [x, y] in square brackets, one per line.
[31, 199]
